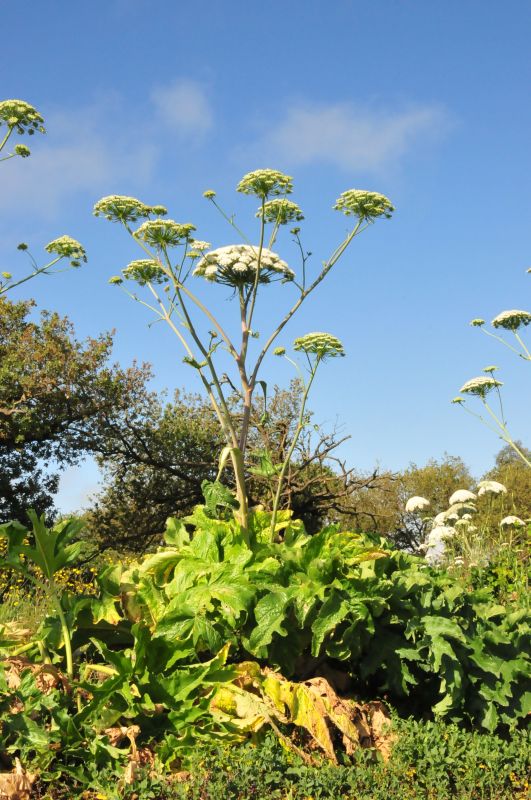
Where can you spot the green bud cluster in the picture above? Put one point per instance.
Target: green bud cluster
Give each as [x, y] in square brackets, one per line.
[164, 232]
[66, 247]
[364, 205]
[265, 183]
[120, 208]
[323, 345]
[21, 116]
[144, 270]
[280, 211]
[22, 151]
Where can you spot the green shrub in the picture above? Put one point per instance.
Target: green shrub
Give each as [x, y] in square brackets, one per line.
[391, 624]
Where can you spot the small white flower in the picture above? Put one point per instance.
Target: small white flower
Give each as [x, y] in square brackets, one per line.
[416, 504]
[462, 496]
[491, 487]
[440, 519]
[459, 561]
[512, 520]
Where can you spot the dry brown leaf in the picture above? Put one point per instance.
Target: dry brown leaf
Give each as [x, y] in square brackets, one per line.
[118, 734]
[16, 785]
[382, 734]
[47, 676]
[130, 773]
[14, 631]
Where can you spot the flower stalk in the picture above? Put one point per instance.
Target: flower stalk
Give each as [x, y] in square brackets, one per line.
[244, 268]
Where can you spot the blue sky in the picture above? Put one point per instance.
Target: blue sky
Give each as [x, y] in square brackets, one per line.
[428, 103]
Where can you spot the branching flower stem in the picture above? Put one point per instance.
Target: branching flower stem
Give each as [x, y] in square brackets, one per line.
[156, 236]
[505, 434]
[37, 271]
[526, 355]
[218, 403]
[287, 460]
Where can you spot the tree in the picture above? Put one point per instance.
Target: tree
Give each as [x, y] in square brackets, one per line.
[515, 475]
[383, 510]
[56, 395]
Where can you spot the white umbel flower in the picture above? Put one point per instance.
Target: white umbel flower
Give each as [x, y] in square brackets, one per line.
[511, 320]
[462, 496]
[491, 487]
[236, 265]
[435, 544]
[480, 386]
[512, 520]
[416, 504]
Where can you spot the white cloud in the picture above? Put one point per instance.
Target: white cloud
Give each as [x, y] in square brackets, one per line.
[80, 154]
[351, 137]
[184, 106]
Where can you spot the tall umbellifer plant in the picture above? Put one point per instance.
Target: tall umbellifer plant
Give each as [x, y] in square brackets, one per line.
[511, 322]
[18, 118]
[173, 256]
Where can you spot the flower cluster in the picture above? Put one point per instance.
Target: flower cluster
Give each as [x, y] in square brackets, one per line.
[364, 205]
[480, 386]
[197, 244]
[236, 265]
[66, 247]
[462, 496]
[22, 151]
[144, 270]
[323, 345]
[512, 521]
[511, 320]
[280, 211]
[491, 487]
[455, 525]
[164, 232]
[265, 183]
[21, 116]
[416, 504]
[120, 208]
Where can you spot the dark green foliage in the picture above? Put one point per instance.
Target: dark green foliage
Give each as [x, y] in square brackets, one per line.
[57, 396]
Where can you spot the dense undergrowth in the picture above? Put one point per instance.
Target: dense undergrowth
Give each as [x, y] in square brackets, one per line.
[429, 761]
[209, 642]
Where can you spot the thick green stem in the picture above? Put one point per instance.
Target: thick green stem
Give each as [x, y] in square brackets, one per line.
[65, 630]
[242, 514]
[287, 460]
